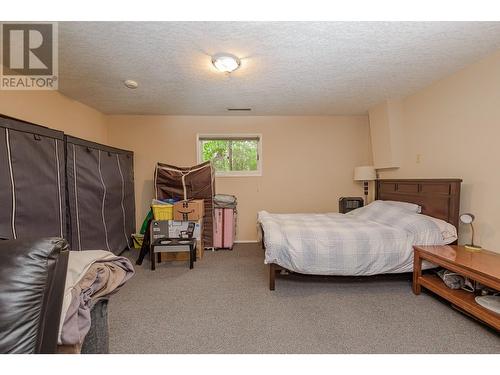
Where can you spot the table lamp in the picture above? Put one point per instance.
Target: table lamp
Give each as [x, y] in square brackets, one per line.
[468, 219]
[365, 173]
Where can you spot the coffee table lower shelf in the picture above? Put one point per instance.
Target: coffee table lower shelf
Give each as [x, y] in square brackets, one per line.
[462, 299]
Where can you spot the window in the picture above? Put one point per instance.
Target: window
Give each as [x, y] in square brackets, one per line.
[232, 155]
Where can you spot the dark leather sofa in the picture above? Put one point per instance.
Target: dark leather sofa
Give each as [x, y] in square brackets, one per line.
[32, 277]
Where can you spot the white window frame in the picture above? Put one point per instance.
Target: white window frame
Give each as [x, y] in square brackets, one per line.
[223, 136]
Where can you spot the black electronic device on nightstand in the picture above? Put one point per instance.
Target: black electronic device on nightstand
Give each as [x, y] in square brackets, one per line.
[347, 204]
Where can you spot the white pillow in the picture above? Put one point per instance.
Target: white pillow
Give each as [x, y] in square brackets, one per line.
[404, 205]
[448, 230]
[379, 210]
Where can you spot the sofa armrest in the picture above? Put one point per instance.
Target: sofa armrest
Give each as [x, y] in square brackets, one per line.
[32, 279]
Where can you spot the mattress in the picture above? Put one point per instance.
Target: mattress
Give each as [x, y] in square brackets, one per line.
[368, 242]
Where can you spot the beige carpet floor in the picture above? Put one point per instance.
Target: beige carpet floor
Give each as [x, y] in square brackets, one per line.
[224, 305]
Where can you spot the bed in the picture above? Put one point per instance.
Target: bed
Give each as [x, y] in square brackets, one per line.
[375, 239]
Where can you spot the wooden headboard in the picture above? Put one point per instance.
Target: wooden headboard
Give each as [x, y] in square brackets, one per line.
[439, 198]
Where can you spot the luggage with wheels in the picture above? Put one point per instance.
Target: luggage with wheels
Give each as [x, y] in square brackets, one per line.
[224, 221]
[224, 228]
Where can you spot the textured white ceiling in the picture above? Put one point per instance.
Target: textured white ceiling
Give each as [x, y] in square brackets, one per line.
[288, 68]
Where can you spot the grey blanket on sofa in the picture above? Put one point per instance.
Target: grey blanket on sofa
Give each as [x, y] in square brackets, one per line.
[94, 275]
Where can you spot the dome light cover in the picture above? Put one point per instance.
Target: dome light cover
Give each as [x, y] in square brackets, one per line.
[225, 62]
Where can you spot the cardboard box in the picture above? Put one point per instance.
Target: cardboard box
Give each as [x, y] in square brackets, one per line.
[189, 210]
[184, 256]
[173, 228]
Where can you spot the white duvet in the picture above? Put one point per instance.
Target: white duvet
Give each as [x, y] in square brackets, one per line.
[371, 240]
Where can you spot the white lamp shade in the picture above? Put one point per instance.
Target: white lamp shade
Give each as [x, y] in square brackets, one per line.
[365, 173]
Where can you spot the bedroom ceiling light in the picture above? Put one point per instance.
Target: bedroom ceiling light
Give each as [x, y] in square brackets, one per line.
[131, 84]
[225, 62]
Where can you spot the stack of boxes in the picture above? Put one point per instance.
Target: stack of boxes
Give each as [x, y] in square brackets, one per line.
[171, 222]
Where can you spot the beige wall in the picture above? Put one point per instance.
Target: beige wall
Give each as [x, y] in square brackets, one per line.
[56, 111]
[385, 129]
[308, 162]
[449, 129]
[453, 128]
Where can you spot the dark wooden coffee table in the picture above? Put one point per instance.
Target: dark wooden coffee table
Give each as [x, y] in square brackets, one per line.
[173, 245]
[482, 266]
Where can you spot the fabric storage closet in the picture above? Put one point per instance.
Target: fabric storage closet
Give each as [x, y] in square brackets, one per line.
[100, 194]
[32, 180]
[183, 183]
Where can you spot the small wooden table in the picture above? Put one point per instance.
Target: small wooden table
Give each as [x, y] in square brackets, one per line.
[173, 245]
[482, 266]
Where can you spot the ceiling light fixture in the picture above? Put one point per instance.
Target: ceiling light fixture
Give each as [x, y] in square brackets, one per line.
[225, 62]
[131, 84]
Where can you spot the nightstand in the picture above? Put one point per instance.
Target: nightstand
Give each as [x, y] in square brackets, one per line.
[483, 266]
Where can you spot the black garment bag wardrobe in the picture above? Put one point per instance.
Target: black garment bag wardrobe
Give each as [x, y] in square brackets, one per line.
[52, 185]
[32, 181]
[100, 195]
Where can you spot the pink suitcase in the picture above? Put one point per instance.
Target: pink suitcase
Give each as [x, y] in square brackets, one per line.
[224, 228]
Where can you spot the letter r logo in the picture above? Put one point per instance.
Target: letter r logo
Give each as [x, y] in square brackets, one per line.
[27, 49]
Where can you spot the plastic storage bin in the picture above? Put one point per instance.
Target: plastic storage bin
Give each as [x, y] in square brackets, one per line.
[137, 239]
[163, 211]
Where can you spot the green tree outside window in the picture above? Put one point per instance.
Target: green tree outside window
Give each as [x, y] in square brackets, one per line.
[231, 154]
